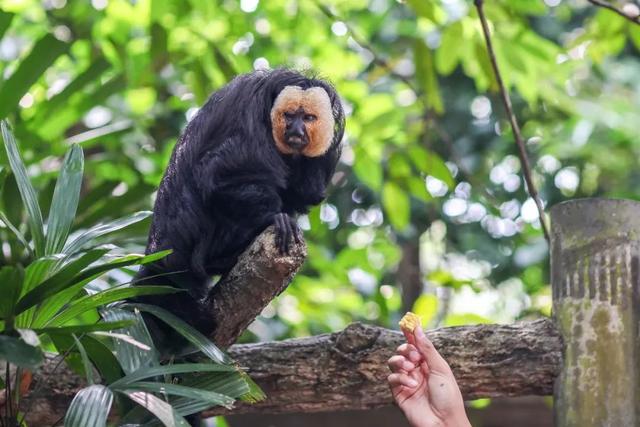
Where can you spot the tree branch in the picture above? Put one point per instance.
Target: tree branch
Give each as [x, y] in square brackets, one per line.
[633, 18]
[260, 275]
[348, 370]
[506, 100]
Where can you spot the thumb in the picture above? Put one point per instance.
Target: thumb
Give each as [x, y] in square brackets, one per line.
[434, 360]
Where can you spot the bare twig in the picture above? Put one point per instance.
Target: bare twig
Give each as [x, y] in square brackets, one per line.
[635, 19]
[522, 153]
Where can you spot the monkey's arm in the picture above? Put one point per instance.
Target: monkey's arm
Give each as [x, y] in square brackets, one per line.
[308, 183]
[241, 189]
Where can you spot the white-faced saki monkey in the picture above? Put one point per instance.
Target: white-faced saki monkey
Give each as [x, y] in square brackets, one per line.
[260, 151]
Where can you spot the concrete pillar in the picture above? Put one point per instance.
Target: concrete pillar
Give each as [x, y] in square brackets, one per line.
[595, 267]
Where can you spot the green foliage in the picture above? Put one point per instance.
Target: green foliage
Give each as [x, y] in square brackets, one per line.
[429, 171]
[49, 297]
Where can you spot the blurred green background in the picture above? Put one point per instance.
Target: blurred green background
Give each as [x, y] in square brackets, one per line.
[428, 209]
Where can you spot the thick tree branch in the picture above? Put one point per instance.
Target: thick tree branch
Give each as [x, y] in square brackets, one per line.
[506, 100]
[260, 275]
[348, 370]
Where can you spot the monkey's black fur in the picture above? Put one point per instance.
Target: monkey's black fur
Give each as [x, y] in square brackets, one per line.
[225, 183]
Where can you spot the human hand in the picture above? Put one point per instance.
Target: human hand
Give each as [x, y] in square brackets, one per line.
[423, 384]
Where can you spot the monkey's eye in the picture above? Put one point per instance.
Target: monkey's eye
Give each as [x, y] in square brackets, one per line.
[309, 118]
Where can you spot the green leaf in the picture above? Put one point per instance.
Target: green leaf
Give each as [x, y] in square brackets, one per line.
[397, 205]
[158, 407]
[65, 200]
[157, 371]
[19, 236]
[210, 397]
[27, 193]
[19, 353]
[31, 68]
[90, 407]
[424, 9]
[41, 290]
[11, 280]
[426, 75]
[5, 22]
[192, 335]
[88, 237]
[59, 101]
[81, 329]
[55, 284]
[88, 367]
[430, 163]
[450, 50]
[132, 357]
[102, 358]
[228, 383]
[89, 302]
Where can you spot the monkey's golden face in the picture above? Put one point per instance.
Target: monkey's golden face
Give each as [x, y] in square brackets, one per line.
[302, 121]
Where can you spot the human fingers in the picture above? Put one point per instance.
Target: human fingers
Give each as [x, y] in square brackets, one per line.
[397, 379]
[410, 352]
[409, 336]
[400, 363]
[427, 350]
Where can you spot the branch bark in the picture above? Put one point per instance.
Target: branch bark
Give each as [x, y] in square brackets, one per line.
[260, 275]
[348, 370]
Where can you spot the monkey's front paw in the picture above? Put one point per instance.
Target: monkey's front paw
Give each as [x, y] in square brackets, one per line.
[286, 228]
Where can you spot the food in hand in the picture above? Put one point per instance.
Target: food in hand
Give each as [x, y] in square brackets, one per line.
[409, 322]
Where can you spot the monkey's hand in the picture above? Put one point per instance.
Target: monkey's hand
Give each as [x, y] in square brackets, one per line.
[286, 228]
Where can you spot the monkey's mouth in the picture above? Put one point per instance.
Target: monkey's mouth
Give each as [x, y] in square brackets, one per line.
[296, 142]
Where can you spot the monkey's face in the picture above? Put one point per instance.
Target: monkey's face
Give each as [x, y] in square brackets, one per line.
[302, 121]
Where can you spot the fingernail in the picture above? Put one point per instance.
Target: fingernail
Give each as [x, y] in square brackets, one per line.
[419, 332]
[412, 383]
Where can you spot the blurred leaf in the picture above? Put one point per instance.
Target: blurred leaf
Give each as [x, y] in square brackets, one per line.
[44, 52]
[430, 163]
[89, 407]
[5, 22]
[27, 193]
[396, 205]
[423, 8]
[19, 353]
[426, 76]
[60, 101]
[426, 306]
[65, 200]
[450, 49]
[10, 286]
